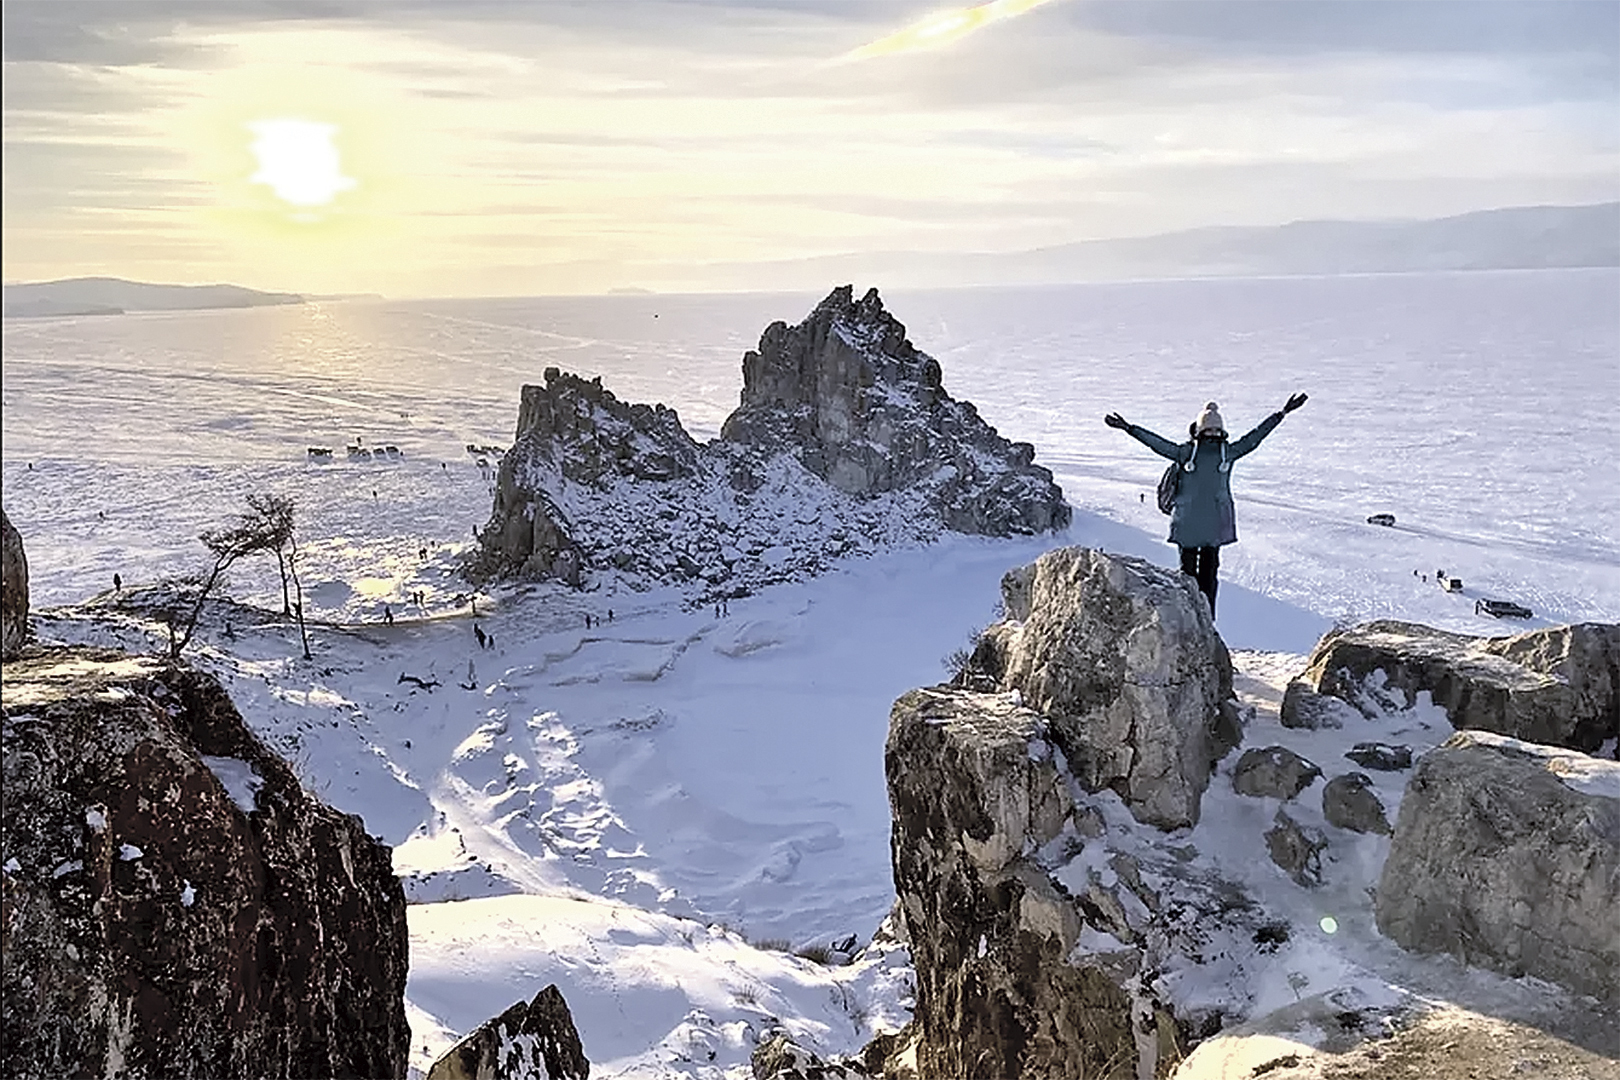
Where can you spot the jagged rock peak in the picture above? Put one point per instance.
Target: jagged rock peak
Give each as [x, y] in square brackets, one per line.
[845, 442]
[176, 905]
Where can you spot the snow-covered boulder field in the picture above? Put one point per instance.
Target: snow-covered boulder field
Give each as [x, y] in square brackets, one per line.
[1091, 884]
[175, 904]
[845, 441]
[1559, 686]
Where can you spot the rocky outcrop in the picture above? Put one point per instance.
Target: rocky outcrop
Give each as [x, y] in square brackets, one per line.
[533, 1040]
[175, 904]
[1507, 855]
[13, 591]
[1121, 657]
[848, 394]
[1026, 881]
[1559, 686]
[1350, 802]
[845, 441]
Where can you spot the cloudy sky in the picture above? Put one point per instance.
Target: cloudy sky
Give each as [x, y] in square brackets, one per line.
[465, 147]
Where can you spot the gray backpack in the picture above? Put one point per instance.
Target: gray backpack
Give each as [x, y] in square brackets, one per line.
[1170, 483]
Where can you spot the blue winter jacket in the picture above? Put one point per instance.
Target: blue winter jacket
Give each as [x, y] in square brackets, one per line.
[1203, 514]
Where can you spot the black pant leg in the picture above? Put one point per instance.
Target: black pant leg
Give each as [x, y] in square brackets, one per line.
[1209, 564]
[1189, 561]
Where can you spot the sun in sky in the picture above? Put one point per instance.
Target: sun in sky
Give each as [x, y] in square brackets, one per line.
[298, 161]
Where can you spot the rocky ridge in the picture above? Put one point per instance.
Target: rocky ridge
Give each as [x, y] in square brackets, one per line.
[845, 442]
[175, 904]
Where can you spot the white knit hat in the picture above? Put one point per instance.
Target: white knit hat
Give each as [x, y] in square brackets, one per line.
[1210, 420]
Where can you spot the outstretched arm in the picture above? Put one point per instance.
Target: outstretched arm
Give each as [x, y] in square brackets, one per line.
[1157, 443]
[1264, 428]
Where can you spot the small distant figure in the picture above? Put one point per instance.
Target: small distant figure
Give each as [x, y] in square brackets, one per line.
[472, 677]
[373, 494]
[118, 583]
[1141, 496]
[101, 514]
[610, 614]
[443, 466]
[478, 632]
[725, 605]
[489, 640]
[388, 615]
[475, 607]
[30, 466]
[717, 611]
[230, 633]
[422, 553]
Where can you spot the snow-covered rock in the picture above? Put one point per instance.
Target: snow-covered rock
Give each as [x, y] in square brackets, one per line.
[845, 442]
[1272, 772]
[1507, 855]
[1121, 656]
[1559, 686]
[533, 1040]
[154, 927]
[1037, 902]
[14, 599]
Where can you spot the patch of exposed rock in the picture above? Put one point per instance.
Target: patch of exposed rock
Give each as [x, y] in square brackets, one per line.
[13, 591]
[1507, 855]
[1559, 686]
[1030, 888]
[533, 1040]
[845, 442]
[175, 904]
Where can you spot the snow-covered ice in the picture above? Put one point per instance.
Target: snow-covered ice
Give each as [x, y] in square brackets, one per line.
[621, 809]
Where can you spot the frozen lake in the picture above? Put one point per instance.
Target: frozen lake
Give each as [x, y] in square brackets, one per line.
[1474, 407]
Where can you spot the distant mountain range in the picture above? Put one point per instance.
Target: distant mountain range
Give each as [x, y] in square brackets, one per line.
[114, 296]
[1527, 237]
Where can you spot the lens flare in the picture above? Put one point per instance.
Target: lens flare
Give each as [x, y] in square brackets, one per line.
[1330, 925]
[298, 161]
[944, 28]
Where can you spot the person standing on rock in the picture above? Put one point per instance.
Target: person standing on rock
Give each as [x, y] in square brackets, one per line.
[1203, 519]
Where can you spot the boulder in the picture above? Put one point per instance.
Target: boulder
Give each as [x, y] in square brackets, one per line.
[13, 591]
[1350, 802]
[1121, 657]
[1380, 757]
[1297, 849]
[1507, 855]
[175, 904]
[1004, 987]
[778, 1057]
[1272, 772]
[533, 1040]
[1302, 707]
[1559, 686]
[845, 440]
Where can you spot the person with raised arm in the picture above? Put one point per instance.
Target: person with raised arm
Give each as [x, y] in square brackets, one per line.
[1202, 517]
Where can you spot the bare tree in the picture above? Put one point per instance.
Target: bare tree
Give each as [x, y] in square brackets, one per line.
[254, 532]
[275, 514]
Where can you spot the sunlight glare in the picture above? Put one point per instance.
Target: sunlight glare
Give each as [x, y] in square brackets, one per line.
[298, 161]
[944, 28]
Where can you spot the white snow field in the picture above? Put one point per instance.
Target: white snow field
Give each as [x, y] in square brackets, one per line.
[622, 810]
